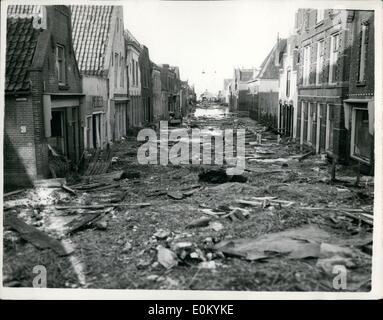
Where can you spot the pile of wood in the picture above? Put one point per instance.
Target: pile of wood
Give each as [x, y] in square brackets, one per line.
[99, 162]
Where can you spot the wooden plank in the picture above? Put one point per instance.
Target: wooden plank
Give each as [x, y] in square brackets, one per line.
[50, 183]
[82, 221]
[38, 238]
[102, 206]
[13, 193]
[110, 176]
[70, 190]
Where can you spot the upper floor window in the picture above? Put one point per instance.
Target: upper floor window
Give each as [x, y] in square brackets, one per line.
[60, 64]
[116, 59]
[362, 53]
[320, 15]
[288, 76]
[320, 56]
[122, 69]
[306, 64]
[334, 51]
[136, 73]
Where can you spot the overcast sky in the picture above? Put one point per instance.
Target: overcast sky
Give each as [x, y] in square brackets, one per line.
[212, 36]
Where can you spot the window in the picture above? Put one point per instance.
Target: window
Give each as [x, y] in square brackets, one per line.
[320, 15]
[122, 69]
[362, 52]
[360, 141]
[288, 76]
[330, 128]
[136, 73]
[319, 61]
[133, 73]
[334, 50]
[60, 64]
[306, 65]
[116, 59]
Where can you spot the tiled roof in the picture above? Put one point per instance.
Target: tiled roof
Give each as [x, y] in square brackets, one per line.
[90, 30]
[268, 69]
[22, 11]
[21, 46]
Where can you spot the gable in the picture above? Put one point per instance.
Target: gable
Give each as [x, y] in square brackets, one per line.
[90, 32]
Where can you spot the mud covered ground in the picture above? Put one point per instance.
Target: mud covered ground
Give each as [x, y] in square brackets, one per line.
[122, 251]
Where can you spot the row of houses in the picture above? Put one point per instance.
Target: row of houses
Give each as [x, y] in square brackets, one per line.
[76, 79]
[316, 86]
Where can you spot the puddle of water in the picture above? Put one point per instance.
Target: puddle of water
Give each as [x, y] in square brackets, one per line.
[214, 111]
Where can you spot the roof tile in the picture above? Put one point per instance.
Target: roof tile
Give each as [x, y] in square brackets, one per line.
[21, 46]
[90, 25]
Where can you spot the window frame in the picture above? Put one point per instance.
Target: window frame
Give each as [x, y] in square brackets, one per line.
[306, 64]
[353, 133]
[320, 17]
[319, 62]
[362, 53]
[334, 55]
[61, 74]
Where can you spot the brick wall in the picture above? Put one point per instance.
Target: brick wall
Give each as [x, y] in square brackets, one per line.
[19, 148]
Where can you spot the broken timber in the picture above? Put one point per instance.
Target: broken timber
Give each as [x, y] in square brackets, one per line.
[38, 238]
[103, 206]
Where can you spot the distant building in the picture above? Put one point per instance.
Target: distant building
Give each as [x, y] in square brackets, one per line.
[288, 94]
[43, 93]
[239, 89]
[226, 90]
[158, 108]
[263, 90]
[146, 84]
[136, 110]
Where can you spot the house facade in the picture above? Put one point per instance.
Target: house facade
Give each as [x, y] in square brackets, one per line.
[323, 79]
[263, 90]
[288, 94]
[100, 52]
[358, 104]
[136, 110]
[158, 108]
[240, 89]
[146, 84]
[43, 93]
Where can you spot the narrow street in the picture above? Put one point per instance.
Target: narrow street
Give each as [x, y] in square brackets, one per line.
[280, 226]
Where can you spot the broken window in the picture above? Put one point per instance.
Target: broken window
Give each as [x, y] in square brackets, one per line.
[60, 64]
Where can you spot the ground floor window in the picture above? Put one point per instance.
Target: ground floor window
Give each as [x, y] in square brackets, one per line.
[360, 145]
[330, 128]
[305, 120]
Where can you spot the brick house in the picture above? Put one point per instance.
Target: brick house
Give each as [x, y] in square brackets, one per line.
[239, 101]
[146, 84]
[263, 89]
[99, 45]
[359, 103]
[323, 79]
[288, 95]
[133, 49]
[43, 93]
[158, 110]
